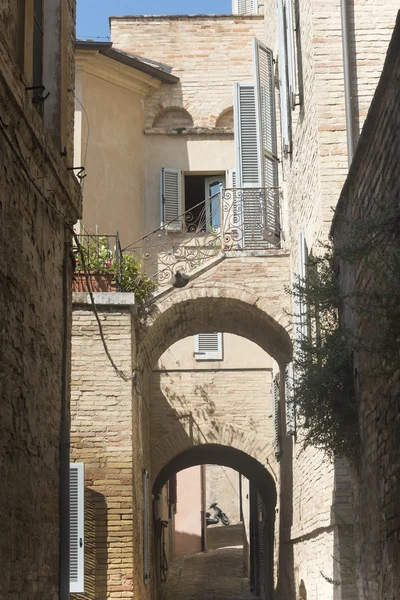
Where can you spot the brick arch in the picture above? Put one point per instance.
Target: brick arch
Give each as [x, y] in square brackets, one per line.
[202, 309]
[226, 456]
[220, 434]
[225, 118]
[173, 116]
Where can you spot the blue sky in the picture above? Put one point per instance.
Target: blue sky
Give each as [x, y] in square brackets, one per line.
[92, 17]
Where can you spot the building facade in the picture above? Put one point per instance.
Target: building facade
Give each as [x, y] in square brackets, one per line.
[40, 201]
[268, 108]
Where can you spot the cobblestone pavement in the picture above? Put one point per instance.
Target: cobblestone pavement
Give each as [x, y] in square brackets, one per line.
[214, 575]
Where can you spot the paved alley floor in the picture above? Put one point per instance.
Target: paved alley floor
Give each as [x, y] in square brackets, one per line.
[214, 575]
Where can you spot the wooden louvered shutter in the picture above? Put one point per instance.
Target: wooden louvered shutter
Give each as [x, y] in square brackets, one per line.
[171, 198]
[277, 419]
[283, 83]
[245, 7]
[208, 346]
[266, 118]
[146, 527]
[76, 549]
[302, 258]
[291, 58]
[289, 401]
[246, 136]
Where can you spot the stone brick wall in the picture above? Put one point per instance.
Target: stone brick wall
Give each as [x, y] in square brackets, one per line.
[103, 422]
[201, 407]
[372, 180]
[38, 197]
[199, 49]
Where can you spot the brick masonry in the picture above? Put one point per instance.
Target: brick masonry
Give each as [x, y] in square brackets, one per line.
[37, 197]
[197, 48]
[374, 178]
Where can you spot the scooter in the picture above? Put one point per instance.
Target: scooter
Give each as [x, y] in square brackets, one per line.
[218, 516]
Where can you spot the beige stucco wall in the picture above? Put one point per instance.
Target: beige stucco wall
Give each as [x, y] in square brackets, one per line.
[111, 149]
[200, 154]
[238, 353]
[188, 512]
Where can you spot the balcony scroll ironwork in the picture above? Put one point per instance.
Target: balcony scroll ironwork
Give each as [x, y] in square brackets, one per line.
[233, 219]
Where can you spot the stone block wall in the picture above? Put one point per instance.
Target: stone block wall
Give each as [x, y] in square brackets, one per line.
[38, 199]
[372, 187]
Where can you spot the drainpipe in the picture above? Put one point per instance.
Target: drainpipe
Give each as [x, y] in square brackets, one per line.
[347, 80]
[65, 432]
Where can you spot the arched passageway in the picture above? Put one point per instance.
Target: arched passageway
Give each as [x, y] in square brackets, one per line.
[261, 498]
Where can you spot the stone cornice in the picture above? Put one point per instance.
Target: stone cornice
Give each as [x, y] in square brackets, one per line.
[94, 63]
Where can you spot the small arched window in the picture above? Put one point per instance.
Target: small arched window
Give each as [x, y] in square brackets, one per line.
[173, 117]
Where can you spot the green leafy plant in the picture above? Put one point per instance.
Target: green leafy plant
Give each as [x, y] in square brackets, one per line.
[126, 271]
[323, 365]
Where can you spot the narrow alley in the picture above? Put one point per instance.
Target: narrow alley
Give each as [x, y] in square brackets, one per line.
[217, 574]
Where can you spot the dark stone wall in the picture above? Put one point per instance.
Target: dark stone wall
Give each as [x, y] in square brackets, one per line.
[38, 197]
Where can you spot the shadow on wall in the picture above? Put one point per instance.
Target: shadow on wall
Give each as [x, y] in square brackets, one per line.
[96, 553]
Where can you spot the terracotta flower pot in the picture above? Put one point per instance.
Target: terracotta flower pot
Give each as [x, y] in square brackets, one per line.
[98, 282]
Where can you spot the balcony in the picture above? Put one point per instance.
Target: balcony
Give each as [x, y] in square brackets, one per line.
[233, 220]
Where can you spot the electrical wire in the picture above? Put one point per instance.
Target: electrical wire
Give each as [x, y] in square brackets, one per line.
[118, 371]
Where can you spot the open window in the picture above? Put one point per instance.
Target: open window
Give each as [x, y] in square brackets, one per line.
[195, 204]
[208, 346]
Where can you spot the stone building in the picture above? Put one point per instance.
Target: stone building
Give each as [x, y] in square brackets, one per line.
[371, 192]
[243, 91]
[40, 201]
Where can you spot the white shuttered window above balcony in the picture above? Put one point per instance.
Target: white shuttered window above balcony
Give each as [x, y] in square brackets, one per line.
[208, 346]
[76, 541]
[171, 197]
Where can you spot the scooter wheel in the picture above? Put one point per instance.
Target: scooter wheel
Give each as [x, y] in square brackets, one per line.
[225, 519]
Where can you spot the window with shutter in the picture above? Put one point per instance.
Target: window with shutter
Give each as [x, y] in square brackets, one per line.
[302, 257]
[245, 7]
[283, 81]
[289, 401]
[266, 119]
[277, 419]
[208, 346]
[76, 552]
[171, 198]
[291, 58]
[246, 136]
[146, 527]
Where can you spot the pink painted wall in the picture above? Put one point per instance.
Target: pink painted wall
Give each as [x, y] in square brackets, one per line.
[188, 514]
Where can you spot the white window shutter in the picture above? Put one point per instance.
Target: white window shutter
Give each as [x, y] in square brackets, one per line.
[231, 178]
[302, 258]
[266, 118]
[246, 136]
[171, 198]
[291, 58]
[76, 551]
[208, 346]
[244, 7]
[146, 527]
[289, 401]
[283, 83]
[277, 420]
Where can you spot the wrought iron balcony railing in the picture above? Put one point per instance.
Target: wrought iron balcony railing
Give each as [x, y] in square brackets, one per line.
[233, 219]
